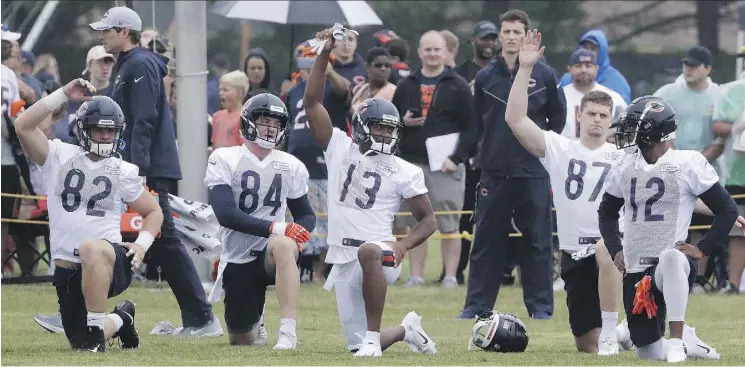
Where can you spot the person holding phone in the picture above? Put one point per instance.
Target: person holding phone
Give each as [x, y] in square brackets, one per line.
[436, 101]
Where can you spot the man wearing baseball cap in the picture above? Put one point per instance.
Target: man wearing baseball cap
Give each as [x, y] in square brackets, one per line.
[151, 145]
[596, 41]
[98, 65]
[583, 69]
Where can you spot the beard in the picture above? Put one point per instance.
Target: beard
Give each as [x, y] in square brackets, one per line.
[486, 53]
[584, 79]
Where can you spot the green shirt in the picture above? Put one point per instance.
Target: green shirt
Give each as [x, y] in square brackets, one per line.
[729, 108]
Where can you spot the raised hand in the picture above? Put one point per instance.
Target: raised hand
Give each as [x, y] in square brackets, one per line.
[531, 50]
[76, 90]
[324, 41]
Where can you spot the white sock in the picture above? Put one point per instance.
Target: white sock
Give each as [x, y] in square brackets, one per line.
[372, 336]
[408, 334]
[96, 319]
[610, 319]
[287, 325]
[118, 322]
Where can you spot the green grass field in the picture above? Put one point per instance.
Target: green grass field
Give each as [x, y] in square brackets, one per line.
[720, 321]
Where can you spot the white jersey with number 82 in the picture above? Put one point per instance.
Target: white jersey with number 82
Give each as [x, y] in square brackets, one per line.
[85, 199]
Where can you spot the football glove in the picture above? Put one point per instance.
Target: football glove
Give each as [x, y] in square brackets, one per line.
[293, 230]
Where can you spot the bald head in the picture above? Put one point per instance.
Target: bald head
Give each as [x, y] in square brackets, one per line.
[432, 48]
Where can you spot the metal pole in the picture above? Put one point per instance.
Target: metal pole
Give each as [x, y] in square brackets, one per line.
[41, 22]
[191, 92]
[740, 38]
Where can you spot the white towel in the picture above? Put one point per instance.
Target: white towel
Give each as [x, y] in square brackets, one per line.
[196, 226]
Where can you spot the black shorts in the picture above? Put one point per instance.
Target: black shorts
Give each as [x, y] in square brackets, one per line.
[645, 331]
[245, 292]
[581, 285]
[68, 282]
[11, 184]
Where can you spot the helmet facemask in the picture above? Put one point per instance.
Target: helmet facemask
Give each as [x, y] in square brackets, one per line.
[101, 148]
[250, 129]
[375, 143]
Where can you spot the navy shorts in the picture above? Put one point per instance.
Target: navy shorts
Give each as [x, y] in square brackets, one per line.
[68, 282]
[583, 301]
[645, 331]
[245, 292]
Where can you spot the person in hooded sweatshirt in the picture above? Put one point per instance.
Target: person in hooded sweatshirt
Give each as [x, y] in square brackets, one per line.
[256, 66]
[608, 76]
[348, 63]
[150, 144]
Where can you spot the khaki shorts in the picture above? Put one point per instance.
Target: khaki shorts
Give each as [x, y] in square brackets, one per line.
[445, 192]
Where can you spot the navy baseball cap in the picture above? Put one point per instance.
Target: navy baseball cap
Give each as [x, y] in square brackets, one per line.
[697, 56]
[484, 28]
[29, 58]
[582, 56]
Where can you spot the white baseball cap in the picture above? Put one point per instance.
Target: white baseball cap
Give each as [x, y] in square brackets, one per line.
[97, 53]
[121, 17]
[8, 35]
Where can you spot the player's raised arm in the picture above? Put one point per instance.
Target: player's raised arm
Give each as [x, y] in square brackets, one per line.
[318, 118]
[525, 130]
[35, 144]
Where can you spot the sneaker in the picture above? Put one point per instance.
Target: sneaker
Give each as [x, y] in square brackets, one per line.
[127, 334]
[95, 341]
[608, 347]
[263, 338]
[698, 289]
[421, 342]
[212, 328]
[369, 349]
[287, 341]
[623, 336]
[697, 348]
[559, 285]
[729, 290]
[52, 324]
[449, 282]
[415, 282]
[676, 351]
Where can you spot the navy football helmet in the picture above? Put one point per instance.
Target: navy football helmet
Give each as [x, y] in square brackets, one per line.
[100, 112]
[376, 111]
[267, 105]
[647, 121]
[499, 332]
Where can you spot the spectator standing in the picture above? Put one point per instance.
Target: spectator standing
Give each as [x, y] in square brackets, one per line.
[729, 120]
[257, 68]
[11, 183]
[435, 101]
[226, 123]
[377, 86]
[348, 63]
[513, 182]
[303, 145]
[483, 39]
[15, 63]
[218, 67]
[693, 102]
[583, 68]
[399, 50]
[151, 146]
[608, 76]
[46, 68]
[451, 51]
[98, 67]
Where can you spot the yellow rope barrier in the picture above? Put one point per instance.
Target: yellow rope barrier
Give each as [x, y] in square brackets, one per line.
[438, 236]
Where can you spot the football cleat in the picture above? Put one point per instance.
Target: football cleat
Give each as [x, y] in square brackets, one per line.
[127, 334]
